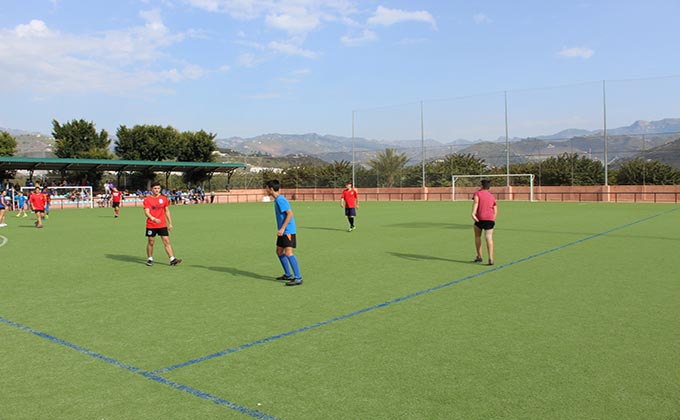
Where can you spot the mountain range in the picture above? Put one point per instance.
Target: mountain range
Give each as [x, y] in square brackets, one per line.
[623, 143]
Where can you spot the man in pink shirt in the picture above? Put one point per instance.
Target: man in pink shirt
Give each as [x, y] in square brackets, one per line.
[484, 211]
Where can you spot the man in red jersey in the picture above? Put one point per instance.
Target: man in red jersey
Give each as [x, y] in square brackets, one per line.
[350, 201]
[116, 196]
[158, 222]
[37, 202]
[484, 212]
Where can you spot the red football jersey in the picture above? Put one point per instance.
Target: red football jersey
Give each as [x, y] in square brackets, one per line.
[350, 197]
[156, 206]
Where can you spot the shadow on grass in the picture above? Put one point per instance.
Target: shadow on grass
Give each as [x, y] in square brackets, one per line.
[425, 225]
[322, 228]
[238, 273]
[419, 257]
[126, 258]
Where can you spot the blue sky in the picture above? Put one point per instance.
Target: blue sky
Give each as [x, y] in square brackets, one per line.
[244, 68]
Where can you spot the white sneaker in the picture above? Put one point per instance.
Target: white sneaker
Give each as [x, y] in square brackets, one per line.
[3, 224]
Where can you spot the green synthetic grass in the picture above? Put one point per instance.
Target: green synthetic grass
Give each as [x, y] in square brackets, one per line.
[578, 319]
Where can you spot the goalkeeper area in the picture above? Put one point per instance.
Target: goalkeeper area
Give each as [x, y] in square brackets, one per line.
[577, 319]
[72, 196]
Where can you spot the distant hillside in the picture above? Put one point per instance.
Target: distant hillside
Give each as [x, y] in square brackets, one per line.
[668, 154]
[623, 142]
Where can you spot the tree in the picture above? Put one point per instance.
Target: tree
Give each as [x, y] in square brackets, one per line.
[334, 174]
[640, 172]
[440, 172]
[8, 144]
[8, 147]
[570, 169]
[147, 142]
[388, 165]
[196, 147]
[78, 139]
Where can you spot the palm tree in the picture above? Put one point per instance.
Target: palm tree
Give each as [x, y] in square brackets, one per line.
[389, 164]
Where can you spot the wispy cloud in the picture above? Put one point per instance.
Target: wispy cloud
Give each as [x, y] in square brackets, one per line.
[366, 37]
[296, 76]
[481, 19]
[576, 52]
[125, 61]
[291, 48]
[386, 17]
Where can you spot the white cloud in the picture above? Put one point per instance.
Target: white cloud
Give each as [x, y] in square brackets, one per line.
[365, 37]
[576, 52]
[294, 23]
[127, 61]
[291, 48]
[481, 18]
[386, 17]
[295, 76]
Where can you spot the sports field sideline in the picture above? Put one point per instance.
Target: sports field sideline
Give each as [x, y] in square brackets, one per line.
[578, 319]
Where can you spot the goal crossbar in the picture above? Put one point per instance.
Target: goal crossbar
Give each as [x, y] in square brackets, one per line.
[531, 181]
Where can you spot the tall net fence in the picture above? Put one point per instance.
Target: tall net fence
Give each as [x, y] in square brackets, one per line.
[589, 128]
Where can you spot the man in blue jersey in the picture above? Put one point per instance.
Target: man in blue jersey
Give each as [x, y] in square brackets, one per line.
[285, 236]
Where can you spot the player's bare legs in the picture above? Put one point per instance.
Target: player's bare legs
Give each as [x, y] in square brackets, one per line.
[168, 247]
[149, 247]
[478, 241]
[488, 235]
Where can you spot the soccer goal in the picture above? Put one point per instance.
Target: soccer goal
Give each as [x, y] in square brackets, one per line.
[455, 178]
[67, 196]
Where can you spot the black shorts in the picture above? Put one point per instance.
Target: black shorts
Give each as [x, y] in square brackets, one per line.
[350, 212]
[39, 211]
[159, 231]
[287, 240]
[485, 224]
[115, 204]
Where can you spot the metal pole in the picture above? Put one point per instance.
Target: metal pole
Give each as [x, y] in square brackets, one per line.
[507, 141]
[353, 155]
[422, 139]
[604, 118]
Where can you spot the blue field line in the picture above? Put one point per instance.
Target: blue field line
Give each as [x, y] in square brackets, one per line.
[397, 300]
[148, 375]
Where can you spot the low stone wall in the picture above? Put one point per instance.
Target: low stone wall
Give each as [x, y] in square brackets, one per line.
[612, 193]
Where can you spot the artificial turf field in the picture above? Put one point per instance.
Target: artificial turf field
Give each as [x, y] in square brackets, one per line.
[578, 319]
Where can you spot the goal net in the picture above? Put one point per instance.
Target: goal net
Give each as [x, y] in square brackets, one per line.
[499, 180]
[67, 196]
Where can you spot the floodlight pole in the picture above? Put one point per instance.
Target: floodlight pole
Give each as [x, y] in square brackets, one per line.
[604, 118]
[507, 141]
[353, 155]
[422, 140]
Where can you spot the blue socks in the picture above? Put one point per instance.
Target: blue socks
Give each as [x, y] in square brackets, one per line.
[294, 265]
[284, 264]
[285, 261]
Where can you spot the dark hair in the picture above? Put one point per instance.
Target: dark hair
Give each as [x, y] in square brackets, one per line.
[486, 184]
[156, 184]
[274, 184]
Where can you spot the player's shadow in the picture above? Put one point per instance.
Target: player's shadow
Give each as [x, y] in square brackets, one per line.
[419, 257]
[126, 258]
[424, 225]
[236, 272]
[322, 228]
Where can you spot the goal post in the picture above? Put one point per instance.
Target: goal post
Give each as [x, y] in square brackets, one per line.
[67, 196]
[455, 178]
